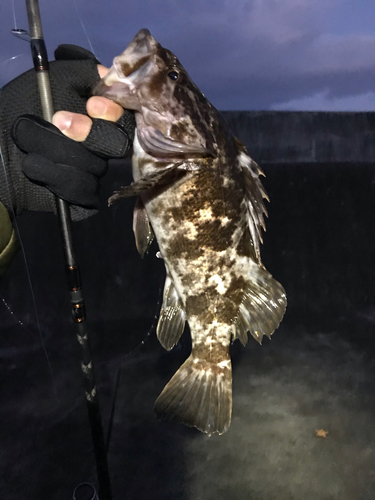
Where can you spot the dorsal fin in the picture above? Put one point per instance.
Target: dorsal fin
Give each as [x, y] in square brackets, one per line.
[255, 193]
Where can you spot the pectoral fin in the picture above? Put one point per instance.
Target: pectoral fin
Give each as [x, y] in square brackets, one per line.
[142, 228]
[158, 178]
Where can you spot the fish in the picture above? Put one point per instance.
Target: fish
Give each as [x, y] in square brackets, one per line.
[199, 194]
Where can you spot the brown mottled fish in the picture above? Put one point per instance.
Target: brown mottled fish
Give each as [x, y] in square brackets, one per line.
[200, 194]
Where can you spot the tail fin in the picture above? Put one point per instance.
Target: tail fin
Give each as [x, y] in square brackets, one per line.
[199, 395]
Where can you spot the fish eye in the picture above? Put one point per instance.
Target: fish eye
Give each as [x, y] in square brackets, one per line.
[173, 75]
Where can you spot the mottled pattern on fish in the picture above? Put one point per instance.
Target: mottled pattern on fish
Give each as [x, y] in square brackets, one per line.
[200, 192]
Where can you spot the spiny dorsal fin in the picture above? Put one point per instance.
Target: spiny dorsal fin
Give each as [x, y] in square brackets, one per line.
[262, 308]
[255, 194]
[172, 317]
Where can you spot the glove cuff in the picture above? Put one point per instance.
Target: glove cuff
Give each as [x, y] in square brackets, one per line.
[69, 52]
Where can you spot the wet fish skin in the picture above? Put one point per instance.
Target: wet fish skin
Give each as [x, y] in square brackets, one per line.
[200, 191]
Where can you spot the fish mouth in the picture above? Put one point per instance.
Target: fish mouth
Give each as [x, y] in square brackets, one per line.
[128, 70]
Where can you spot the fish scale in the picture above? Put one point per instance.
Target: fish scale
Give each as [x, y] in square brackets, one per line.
[199, 193]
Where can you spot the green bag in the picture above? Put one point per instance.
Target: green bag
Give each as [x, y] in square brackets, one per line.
[8, 241]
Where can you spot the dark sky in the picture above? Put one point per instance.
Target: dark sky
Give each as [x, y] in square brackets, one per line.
[243, 54]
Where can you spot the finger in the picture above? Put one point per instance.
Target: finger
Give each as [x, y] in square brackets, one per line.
[73, 125]
[103, 108]
[102, 70]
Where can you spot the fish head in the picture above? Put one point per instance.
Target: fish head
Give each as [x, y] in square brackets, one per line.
[129, 70]
[173, 117]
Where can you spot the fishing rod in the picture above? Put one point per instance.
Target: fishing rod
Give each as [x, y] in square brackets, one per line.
[40, 59]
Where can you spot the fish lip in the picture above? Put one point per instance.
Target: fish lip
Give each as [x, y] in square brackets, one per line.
[122, 89]
[128, 68]
[136, 54]
[110, 92]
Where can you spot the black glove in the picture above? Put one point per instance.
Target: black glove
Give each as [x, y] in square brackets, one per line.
[66, 167]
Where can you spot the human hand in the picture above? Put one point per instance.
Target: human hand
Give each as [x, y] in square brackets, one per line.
[33, 146]
[77, 126]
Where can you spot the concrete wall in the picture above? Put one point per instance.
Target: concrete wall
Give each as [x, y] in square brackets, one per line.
[318, 243]
[305, 137]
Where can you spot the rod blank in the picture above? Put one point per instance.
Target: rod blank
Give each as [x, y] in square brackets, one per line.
[40, 59]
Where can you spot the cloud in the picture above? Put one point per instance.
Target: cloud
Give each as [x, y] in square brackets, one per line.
[247, 54]
[284, 22]
[322, 102]
[331, 53]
